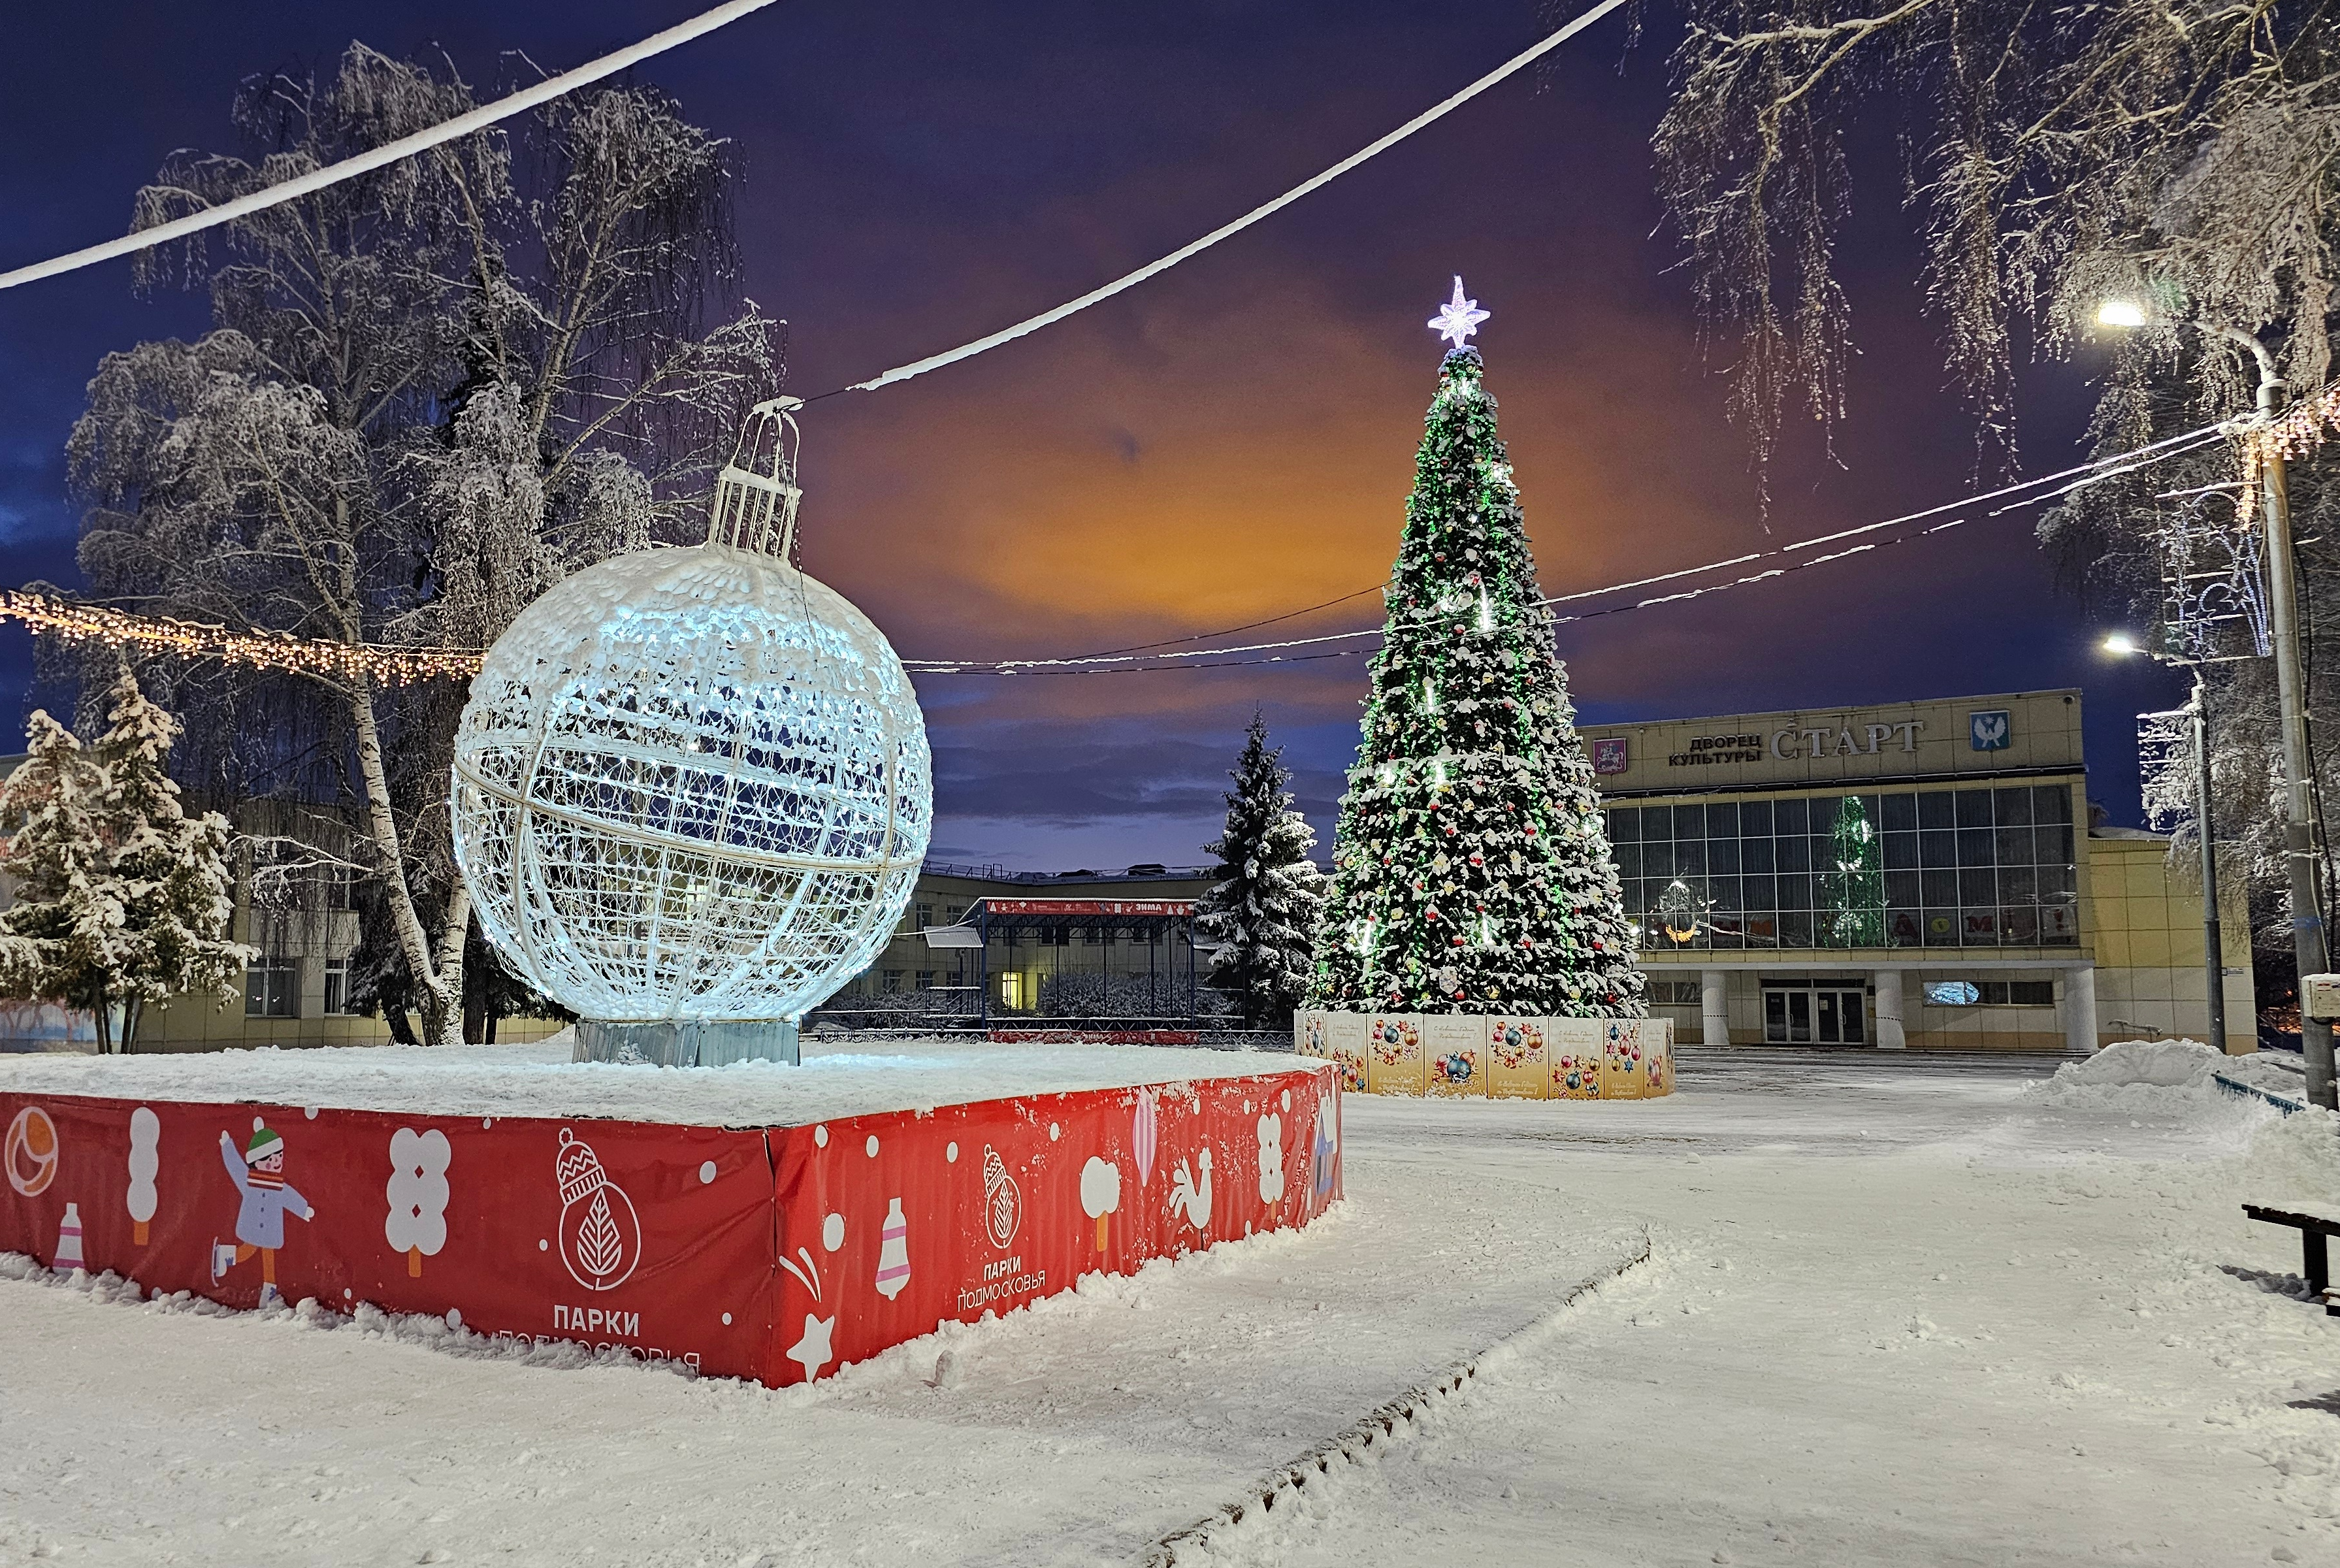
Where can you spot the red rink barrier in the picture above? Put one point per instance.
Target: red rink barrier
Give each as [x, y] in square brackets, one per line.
[779, 1253]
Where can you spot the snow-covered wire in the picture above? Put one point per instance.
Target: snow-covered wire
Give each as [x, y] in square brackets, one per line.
[1439, 110]
[2026, 493]
[478, 119]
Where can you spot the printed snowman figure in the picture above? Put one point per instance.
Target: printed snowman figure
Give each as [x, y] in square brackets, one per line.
[259, 1175]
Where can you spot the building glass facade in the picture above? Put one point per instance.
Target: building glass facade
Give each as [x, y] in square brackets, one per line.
[1961, 868]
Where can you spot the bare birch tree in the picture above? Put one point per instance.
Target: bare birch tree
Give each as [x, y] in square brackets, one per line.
[427, 394]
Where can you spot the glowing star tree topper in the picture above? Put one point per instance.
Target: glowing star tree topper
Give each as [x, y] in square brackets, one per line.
[1458, 318]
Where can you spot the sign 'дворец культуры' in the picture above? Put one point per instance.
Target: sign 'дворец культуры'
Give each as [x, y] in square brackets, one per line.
[1786, 745]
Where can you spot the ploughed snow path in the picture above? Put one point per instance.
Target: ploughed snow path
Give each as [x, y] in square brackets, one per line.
[1916, 1311]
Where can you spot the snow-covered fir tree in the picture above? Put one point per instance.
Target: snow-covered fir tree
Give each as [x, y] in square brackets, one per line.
[1472, 872]
[169, 872]
[56, 938]
[1263, 909]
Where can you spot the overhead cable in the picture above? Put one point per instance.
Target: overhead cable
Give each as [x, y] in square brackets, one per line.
[349, 168]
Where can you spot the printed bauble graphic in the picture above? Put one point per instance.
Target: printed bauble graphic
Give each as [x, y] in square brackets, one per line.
[145, 1162]
[1142, 1133]
[892, 1251]
[1328, 1144]
[417, 1193]
[1003, 1204]
[1100, 1194]
[600, 1239]
[30, 1151]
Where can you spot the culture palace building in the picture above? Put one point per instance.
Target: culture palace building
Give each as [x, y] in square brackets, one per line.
[1916, 874]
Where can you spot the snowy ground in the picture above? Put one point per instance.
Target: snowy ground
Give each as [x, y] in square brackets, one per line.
[1916, 1311]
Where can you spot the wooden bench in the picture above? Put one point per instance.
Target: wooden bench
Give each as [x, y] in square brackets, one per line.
[2315, 1253]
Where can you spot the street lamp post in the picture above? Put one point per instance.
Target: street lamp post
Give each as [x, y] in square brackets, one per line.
[2214, 951]
[2301, 851]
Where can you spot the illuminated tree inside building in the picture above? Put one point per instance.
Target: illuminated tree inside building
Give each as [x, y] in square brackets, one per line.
[1472, 871]
[1855, 881]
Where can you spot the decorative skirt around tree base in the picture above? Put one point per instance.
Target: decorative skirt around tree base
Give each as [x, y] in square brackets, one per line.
[1492, 1056]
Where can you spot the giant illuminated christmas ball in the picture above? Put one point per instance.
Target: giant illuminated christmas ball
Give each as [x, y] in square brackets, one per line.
[691, 786]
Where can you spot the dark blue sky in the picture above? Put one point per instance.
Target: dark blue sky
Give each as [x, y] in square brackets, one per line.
[1230, 440]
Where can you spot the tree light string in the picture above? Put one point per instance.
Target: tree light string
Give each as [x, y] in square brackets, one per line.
[388, 664]
[349, 168]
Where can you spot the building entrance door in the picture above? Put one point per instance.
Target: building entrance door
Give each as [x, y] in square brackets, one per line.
[1815, 1015]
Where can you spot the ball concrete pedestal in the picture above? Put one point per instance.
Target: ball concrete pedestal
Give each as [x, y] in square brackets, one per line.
[688, 1042]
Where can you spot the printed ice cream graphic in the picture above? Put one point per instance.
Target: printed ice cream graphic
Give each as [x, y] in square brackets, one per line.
[1186, 1198]
[1142, 1132]
[1271, 1160]
[416, 1224]
[30, 1151]
[1100, 1193]
[145, 1160]
[259, 1177]
[600, 1239]
[811, 1350]
[69, 1240]
[892, 1251]
[1003, 1205]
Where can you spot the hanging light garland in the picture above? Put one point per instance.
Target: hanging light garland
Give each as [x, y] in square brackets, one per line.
[2296, 434]
[369, 661]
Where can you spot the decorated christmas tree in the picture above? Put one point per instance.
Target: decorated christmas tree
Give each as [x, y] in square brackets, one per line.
[1471, 873]
[1262, 909]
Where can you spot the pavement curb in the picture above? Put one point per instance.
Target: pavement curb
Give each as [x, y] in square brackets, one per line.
[1380, 1427]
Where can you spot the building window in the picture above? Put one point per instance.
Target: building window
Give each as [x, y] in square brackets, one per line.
[1011, 990]
[337, 987]
[1943, 868]
[271, 989]
[336, 881]
[892, 979]
[1990, 993]
[1674, 993]
[926, 916]
[926, 980]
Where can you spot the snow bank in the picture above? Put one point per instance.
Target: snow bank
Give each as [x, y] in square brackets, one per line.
[445, 1334]
[2165, 1064]
[2160, 1077]
[835, 1080]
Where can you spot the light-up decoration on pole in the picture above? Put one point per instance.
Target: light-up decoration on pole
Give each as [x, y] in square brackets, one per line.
[1458, 318]
[691, 786]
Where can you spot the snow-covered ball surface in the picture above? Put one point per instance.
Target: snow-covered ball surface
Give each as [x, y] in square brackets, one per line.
[691, 784]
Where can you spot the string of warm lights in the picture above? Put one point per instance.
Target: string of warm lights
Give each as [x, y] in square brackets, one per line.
[346, 661]
[2299, 430]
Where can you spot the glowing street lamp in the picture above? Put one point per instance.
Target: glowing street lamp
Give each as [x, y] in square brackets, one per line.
[2309, 949]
